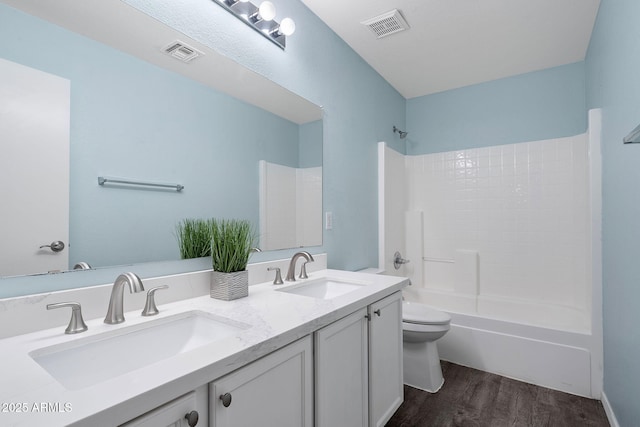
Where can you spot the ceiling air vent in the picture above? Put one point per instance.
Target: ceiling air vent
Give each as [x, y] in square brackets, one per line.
[182, 51]
[386, 24]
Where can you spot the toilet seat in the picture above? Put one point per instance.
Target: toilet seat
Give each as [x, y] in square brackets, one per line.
[423, 327]
[420, 314]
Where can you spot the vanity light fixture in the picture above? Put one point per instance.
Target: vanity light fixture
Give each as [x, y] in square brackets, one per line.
[266, 11]
[261, 19]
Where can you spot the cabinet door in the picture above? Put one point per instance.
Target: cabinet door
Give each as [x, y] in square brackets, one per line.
[342, 373]
[171, 414]
[275, 391]
[385, 359]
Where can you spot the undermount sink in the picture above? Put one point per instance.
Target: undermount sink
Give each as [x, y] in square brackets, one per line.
[88, 361]
[325, 288]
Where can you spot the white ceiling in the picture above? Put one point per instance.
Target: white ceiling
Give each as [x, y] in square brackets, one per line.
[456, 43]
[125, 28]
[450, 43]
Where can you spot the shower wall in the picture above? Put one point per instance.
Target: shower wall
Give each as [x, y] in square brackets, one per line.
[523, 207]
[391, 207]
[501, 228]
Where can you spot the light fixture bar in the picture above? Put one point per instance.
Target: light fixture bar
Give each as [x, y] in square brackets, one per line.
[249, 13]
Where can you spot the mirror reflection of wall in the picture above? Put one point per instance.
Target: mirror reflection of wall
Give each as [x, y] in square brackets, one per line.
[290, 206]
[291, 196]
[135, 120]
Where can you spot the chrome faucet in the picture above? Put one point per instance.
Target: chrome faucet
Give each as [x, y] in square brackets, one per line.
[76, 324]
[115, 312]
[278, 279]
[82, 266]
[291, 273]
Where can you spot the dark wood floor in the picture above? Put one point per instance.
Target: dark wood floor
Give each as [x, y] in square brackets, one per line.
[471, 397]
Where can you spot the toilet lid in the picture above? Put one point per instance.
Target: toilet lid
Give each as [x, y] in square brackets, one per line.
[418, 313]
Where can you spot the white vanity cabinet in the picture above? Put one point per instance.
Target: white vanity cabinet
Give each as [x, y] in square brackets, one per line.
[186, 411]
[386, 389]
[342, 372]
[275, 391]
[324, 351]
[358, 366]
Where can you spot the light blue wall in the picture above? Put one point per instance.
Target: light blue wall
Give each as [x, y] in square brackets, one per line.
[360, 107]
[310, 145]
[540, 105]
[613, 83]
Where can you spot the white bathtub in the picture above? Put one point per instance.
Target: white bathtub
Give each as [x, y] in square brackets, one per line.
[548, 315]
[543, 345]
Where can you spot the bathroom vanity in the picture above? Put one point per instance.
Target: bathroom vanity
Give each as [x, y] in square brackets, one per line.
[322, 351]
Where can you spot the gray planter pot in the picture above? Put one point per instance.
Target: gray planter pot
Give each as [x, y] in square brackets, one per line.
[229, 286]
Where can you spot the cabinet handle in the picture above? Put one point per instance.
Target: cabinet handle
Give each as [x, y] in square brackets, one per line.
[192, 418]
[226, 399]
[367, 316]
[377, 312]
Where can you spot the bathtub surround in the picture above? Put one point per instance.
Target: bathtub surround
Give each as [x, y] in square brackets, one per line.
[504, 223]
[392, 200]
[507, 223]
[501, 237]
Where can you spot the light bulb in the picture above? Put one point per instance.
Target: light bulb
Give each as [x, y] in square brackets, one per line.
[267, 11]
[287, 26]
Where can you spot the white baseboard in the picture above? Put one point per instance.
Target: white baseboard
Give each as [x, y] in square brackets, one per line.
[609, 411]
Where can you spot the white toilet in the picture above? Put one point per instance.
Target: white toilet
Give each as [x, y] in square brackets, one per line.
[421, 327]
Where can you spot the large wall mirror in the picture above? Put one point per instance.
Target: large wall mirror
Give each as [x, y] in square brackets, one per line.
[137, 114]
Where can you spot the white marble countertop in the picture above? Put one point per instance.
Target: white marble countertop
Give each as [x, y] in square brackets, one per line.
[275, 319]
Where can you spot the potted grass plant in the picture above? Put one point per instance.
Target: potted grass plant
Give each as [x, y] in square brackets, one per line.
[194, 238]
[231, 245]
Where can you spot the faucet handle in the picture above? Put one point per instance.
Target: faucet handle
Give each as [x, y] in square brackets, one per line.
[303, 271]
[82, 266]
[150, 308]
[76, 324]
[278, 279]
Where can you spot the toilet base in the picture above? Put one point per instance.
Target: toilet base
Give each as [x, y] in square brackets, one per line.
[422, 368]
